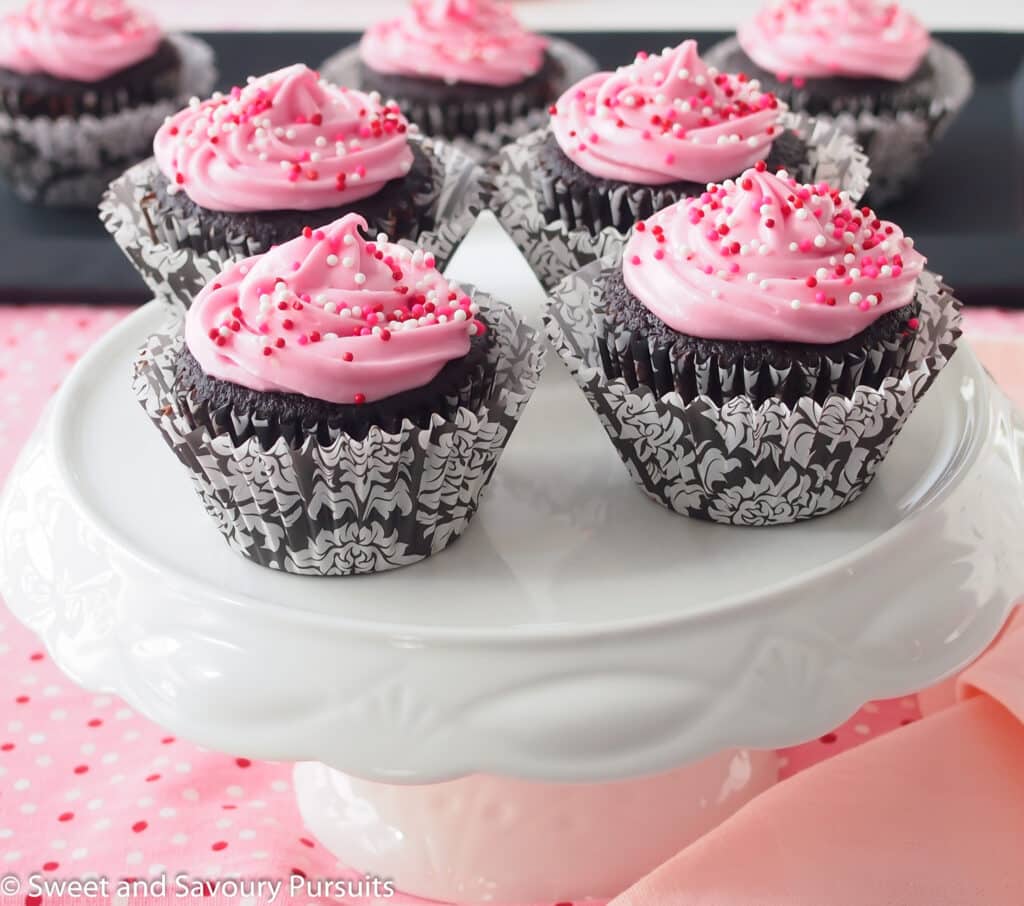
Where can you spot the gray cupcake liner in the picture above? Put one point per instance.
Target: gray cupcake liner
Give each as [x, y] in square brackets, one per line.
[343, 69]
[742, 464]
[897, 143]
[340, 507]
[175, 272]
[68, 161]
[554, 251]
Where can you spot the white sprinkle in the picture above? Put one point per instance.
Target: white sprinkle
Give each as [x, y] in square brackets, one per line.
[795, 304]
[855, 298]
[793, 247]
[332, 260]
[849, 259]
[330, 308]
[820, 241]
[382, 238]
[347, 261]
[349, 239]
[886, 270]
[321, 142]
[821, 273]
[360, 279]
[855, 272]
[459, 315]
[357, 311]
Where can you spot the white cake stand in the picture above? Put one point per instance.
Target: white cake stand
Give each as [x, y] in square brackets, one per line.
[564, 659]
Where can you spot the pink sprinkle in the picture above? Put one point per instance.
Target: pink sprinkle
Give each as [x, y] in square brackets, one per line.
[805, 245]
[635, 260]
[659, 254]
[264, 327]
[864, 306]
[819, 297]
[303, 340]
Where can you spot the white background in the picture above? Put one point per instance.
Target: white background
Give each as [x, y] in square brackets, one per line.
[573, 15]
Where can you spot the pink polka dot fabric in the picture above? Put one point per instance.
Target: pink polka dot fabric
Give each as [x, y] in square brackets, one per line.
[89, 787]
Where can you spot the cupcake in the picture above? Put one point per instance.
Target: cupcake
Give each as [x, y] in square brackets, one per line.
[83, 88]
[757, 348]
[340, 405]
[464, 70]
[869, 65]
[622, 145]
[243, 171]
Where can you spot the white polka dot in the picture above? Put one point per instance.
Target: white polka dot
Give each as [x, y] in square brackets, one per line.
[117, 778]
[44, 761]
[37, 739]
[183, 767]
[29, 679]
[179, 839]
[124, 714]
[79, 853]
[6, 833]
[168, 812]
[12, 856]
[157, 869]
[223, 823]
[134, 857]
[4, 648]
[260, 855]
[257, 803]
[110, 758]
[73, 794]
[21, 784]
[862, 729]
[87, 748]
[161, 761]
[102, 824]
[58, 714]
[102, 701]
[235, 791]
[58, 844]
[246, 834]
[15, 726]
[280, 786]
[131, 736]
[51, 691]
[29, 808]
[247, 901]
[145, 802]
[190, 794]
[94, 804]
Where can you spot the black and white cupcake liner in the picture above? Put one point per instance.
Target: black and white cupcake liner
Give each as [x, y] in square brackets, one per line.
[554, 251]
[737, 463]
[68, 161]
[164, 249]
[338, 506]
[897, 142]
[506, 124]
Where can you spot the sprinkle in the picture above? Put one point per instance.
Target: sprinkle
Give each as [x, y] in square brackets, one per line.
[360, 278]
[332, 260]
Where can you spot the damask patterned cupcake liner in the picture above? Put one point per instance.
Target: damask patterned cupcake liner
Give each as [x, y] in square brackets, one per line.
[343, 68]
[897, 143]
[553, 251]
[68, 161]
[166, 256]
[740, 464]
[343, 507]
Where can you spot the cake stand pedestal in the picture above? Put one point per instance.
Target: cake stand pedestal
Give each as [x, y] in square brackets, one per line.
[569, 694]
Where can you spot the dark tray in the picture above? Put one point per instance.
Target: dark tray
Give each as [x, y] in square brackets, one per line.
[967, 215]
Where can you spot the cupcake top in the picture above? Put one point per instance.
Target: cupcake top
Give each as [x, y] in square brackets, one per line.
[475, 41]
[763, 258]
[666, 118]
[800, 39]
[286, 141]
[81, 40]
[331, 316]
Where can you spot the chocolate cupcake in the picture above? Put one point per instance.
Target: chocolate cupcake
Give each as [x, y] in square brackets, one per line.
[340, 404]
[83, 88]
[625, 144]
[869, 64]
[758, 347]
[238, 173]
[463, 70]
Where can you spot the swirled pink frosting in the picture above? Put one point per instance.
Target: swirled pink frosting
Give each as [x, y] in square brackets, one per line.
[847, 38]
[82, 40]
[475, 41]
[331, 316]
[765, 258]
[666, 118]
[287, 141]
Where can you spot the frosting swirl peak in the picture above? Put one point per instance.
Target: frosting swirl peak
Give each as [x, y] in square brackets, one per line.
[474, 41]
[331, 316]
[846, 38]
[287, 141]
[666, 118]
[764, 258]
[81, 40]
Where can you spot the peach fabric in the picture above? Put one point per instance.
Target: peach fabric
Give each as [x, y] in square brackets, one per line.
[929, 815]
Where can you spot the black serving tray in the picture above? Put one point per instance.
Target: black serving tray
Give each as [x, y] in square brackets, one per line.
[967, 215]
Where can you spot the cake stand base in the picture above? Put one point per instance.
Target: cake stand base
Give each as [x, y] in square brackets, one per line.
[494, 839]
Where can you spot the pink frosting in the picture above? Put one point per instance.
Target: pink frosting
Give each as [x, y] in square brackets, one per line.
[331, 316]
[848, 38]
[287, 141]
[475, 41]
[765, 258]
[81, 40]
[665, 119]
